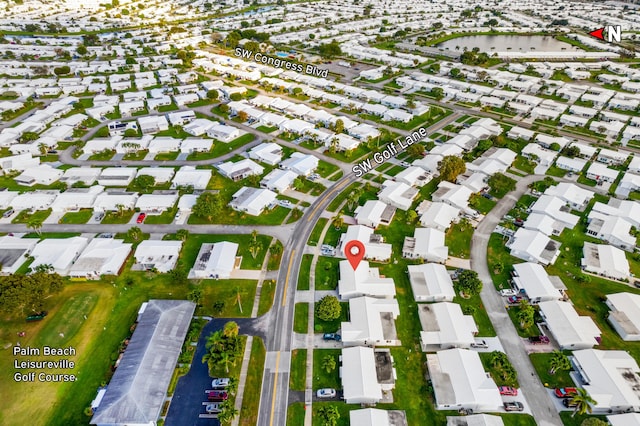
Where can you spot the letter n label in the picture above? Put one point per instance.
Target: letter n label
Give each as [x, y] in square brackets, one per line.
[614, 33]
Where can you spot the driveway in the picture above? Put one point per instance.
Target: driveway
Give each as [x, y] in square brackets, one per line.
[186, 404]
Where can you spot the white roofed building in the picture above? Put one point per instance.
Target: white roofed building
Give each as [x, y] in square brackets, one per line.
[216, 260]
[372, 322]
[610, 378]
[158, 255]
[374, 213]
[363, 281]
[569, 329]
[444, 326]
[460, 381]
[103, 256]
[430, 282]
[534, 246]
[624, 314]
[374, 246]
[606, 261]
[398, 194]
[427, 244]
[252, 201]
[532, 279]
[59, 253]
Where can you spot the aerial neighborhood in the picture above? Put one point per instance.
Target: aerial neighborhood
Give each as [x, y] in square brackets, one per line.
[320, 213]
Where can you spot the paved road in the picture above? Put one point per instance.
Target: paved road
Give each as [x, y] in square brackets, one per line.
[282, 232]
[274, 397]
[541, 405]
[186, 403]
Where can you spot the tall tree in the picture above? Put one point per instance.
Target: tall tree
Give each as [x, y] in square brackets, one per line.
[329, 415]
[254, 244]
[208, 205]
[450, 167]
[328, 308]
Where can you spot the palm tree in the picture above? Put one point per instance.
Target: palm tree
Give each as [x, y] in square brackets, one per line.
[134, 233]
[228, 413]
[120, 208]
[328, 363]
[226, 359]
[337, 221]
[498, 359]
[583, 402]
[182, 234]
[230, 330]
[559, 361]
[36, 225]
[254, 244]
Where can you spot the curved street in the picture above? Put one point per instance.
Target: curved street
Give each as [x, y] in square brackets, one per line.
[537, 397]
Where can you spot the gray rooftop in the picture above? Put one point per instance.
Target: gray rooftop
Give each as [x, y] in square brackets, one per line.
[137, 390]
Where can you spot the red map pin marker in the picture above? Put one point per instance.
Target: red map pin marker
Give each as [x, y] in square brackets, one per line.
[354, 251]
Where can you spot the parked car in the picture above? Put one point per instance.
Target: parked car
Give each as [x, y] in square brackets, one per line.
[99, 217]
[569, 403]
[508, 292]
[214, 408]
[217, 395]
[332, 336]
[220, 383]
[636, 283]
[508, 391]
[479, 344]
[8, 213]
[515, 299]
[513, 406]
[141, 217]
[565, 392]
[539, 340]
[326, 393]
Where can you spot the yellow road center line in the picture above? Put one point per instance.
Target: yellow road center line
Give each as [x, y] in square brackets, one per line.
[286, 281]
[275, 387]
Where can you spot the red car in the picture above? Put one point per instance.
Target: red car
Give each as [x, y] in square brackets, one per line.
[217, 395]
[508, 391]
[141, 217]
[514, 299]
[565, 392]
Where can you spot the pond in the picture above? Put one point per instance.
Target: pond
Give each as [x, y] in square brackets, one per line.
[503, 43]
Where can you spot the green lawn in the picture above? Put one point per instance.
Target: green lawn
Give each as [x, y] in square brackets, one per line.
[192, 246]
[458, 239]
[136, 156]
[116, 218]
[266, 129]
[79, 217]
[297, 376]
[253, 384]
[166, 156]
[163, 218]
[102, 156]
[310, 187]
[394, 170]
[332, 236]
[524, 164]
[530, 331]
[305, 270]
[322, 378]
[325, 169]
[480, 316]
[558, 380]
[59, 330]
[326, 275]
[221, 148]
[301, 318]
[343, 409]
[556, 171]
[317, 230]
[333, 206]
[481, 204]
[267, 294]
[295, 414]
[498, 253]
[229, 216]
[38, 216]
